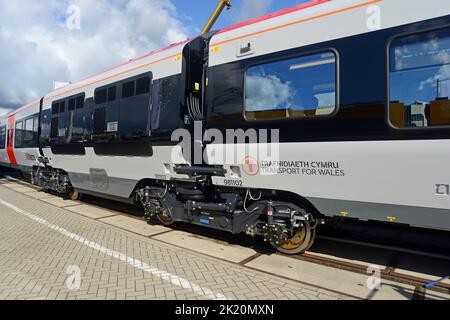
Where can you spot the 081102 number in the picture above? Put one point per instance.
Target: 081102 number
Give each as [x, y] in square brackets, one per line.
[233, 183]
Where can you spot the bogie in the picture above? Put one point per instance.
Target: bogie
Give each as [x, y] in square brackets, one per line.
[286, 226]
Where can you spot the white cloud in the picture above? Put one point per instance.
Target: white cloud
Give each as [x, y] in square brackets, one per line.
[37, 48]
[442, 77]
[268, 93]
[4, 111]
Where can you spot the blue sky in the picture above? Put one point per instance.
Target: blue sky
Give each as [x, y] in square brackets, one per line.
[197, 12]
[37, 47]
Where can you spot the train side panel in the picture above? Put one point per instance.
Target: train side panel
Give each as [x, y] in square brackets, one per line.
[364, 155]
[26, 129]
[4, 160]
[103, 164]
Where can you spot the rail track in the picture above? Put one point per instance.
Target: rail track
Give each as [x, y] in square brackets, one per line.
[340, 233]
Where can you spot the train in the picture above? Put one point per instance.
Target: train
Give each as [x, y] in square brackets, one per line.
[357, 92]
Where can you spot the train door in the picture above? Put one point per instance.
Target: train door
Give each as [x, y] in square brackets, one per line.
[3, 157]
[195, 61]
[10, 141]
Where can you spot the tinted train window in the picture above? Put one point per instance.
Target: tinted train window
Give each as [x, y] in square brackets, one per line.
[55, 108]
[2, 138]
[293, 88]
[30, 133]
[101, 96]
[112, 94]
[143, 86]
[72, 104]
[18, 135]
[420, 80]
[80, 102]
[128, 89]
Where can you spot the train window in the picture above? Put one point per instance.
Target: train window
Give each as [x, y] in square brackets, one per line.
[18, 136]
[112, 91]
[72, 104]
[54, 128]
[36, 124]
[292, 88]
[2, 138]
[62, 107]
[80, 102]
[101, 96]
[420, 80]
[128, 89]
[55, 108]
[29, 136]
[143, 86]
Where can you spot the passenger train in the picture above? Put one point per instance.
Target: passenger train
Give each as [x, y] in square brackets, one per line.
[358, 89]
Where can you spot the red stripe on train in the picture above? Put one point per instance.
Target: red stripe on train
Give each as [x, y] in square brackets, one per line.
[10, 141]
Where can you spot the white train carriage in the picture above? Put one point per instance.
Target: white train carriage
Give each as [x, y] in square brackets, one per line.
[19, 138]
[4, 159]
[98, 129]
[357, 90]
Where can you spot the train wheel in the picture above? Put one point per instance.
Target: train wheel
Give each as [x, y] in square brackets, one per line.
[74, 195]
[165, 218]
[301, 241]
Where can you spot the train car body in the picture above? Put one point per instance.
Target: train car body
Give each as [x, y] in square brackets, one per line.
[356, 90]
[19, 134]
[101, 134]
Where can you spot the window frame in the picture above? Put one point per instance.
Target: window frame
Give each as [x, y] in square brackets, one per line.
[289, 57]
[388, 78]
[119, 101]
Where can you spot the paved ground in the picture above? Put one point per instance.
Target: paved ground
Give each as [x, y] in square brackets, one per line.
[43, 246]
[51, 248]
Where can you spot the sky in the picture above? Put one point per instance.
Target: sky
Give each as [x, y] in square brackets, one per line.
[44, 41]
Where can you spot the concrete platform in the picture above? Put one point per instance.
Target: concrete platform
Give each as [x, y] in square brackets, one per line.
[134, 225]
[423, 267]
[60, 202]
[431, 295]
[40, 195]
[11, 184]
[330, 278]
[212, 247]
[91, 212]
[23, 189]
